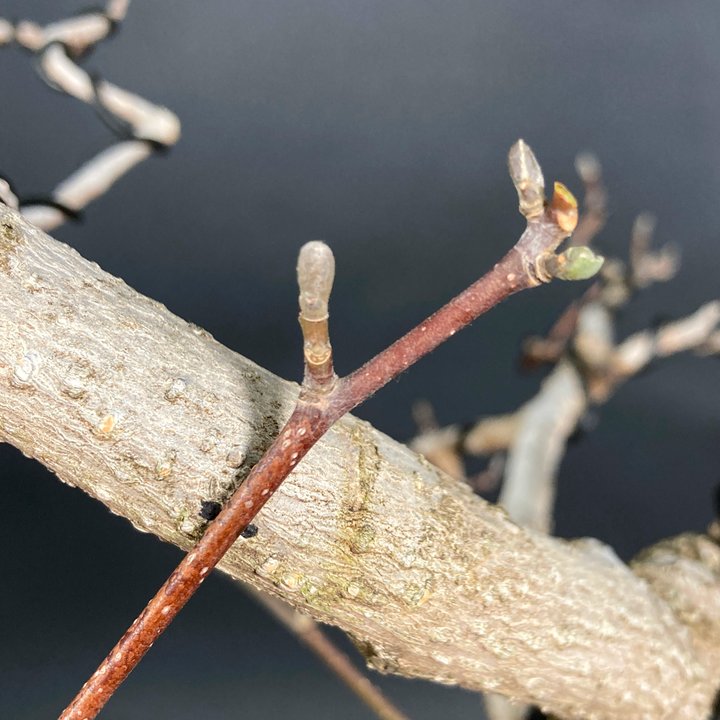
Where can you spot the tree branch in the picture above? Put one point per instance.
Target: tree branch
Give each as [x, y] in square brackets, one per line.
[142, 127]
[323, 399]
[153, 417]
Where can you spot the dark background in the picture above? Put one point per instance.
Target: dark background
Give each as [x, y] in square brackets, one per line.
[382, 127]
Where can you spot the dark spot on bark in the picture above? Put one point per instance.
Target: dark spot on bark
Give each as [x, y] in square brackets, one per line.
[250, 531]
[209, 509]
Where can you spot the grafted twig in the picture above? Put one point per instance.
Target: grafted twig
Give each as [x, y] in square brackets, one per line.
[143, 127]
[528, 263]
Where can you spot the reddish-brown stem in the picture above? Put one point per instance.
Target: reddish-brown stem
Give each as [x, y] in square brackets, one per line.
[323, 401]
[506, 278]
[305, 426]
[312, 417]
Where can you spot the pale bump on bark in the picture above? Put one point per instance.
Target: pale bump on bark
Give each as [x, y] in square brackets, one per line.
[150, 415]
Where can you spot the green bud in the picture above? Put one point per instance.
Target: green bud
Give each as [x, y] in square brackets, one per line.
[578, 263]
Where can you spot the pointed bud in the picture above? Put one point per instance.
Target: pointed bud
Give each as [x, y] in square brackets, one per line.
[528, 179]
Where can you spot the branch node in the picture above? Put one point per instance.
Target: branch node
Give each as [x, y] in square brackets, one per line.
[549, 223]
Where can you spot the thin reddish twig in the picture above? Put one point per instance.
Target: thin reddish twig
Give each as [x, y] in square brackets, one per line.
[319, 407]
[506, 278]
[308, 423]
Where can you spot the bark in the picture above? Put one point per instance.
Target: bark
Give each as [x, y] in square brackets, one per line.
[153, 417]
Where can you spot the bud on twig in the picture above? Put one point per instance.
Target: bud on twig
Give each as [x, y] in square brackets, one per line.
[316, 272]
[528, 179]
[576, 263]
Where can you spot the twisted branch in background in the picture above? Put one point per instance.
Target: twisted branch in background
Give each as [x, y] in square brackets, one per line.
[143, 127]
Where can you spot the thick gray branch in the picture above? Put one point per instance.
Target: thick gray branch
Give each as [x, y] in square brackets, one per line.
[152, 416]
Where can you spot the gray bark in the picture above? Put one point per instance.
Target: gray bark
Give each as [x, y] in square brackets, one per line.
[152, 416]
